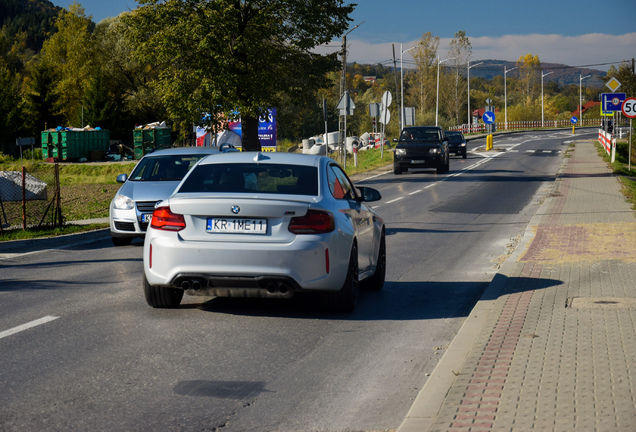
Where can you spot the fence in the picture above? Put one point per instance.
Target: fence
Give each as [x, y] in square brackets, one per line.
[521, 125]
[30, 198]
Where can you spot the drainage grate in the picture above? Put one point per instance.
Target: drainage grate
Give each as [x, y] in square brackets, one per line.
[600, 302]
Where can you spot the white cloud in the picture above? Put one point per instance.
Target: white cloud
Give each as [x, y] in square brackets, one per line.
[588, 49]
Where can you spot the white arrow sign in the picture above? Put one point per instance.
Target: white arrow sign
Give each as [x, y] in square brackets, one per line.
[488, 117]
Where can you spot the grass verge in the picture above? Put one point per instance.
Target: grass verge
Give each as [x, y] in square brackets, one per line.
[621, 168]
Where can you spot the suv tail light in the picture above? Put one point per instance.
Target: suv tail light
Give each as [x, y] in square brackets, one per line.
[314, 222]
[164, 219]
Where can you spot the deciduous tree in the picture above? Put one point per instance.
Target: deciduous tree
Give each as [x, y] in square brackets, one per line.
[228, 56]
[529, 70]
[425, 56]
[461, 51]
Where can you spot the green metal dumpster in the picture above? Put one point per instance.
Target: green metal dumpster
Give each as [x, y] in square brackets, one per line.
[148, 140]
[69, 145]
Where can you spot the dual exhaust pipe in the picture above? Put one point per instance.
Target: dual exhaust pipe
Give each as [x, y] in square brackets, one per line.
[193, 284]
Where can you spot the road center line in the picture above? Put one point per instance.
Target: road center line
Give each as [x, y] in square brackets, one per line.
[27, 326]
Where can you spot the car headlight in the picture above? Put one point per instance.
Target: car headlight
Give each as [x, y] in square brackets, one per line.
[463, 144]
[434, 151]
[122, 202]
[400, 152]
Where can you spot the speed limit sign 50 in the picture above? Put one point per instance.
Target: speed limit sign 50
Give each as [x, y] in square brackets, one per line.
[629, 107]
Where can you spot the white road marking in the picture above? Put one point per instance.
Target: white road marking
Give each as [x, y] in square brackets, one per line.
[394, 200]
[27, 326]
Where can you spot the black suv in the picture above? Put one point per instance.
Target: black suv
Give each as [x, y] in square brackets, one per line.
[457, 143]
[421, 147]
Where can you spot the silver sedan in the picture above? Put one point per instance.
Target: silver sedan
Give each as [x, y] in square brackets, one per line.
[266, 225]
[152, 180]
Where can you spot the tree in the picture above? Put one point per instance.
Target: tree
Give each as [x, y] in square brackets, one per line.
[228, 56]
[529, 66]
[40, 99]
[461, 51]
[10, 108]
[425, 55]
[71, 53]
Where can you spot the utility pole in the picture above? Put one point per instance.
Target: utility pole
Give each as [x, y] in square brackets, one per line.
[343, 88]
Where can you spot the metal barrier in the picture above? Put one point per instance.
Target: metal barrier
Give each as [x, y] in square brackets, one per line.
[30, 198]
[524, 125]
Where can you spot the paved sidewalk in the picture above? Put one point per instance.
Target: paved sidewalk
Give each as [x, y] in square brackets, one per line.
[551, 346]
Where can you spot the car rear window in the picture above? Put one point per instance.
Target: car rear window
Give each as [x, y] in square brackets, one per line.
[252, 177]
[420, 134]
[454, 137]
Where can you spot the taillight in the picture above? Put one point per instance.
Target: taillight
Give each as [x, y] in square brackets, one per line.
[164, 219]
[314, 222]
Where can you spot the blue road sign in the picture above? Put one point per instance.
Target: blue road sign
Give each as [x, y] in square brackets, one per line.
[574, 120]
[612, 101]
[489, 117]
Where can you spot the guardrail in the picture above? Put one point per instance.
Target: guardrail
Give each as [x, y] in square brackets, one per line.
[522, 125]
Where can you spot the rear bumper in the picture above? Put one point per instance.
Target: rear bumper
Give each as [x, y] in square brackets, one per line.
[247, 269]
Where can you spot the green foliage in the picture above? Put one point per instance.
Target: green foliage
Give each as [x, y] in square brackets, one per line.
[224, 56]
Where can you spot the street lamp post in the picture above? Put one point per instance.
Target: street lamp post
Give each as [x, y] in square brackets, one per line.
[581, 78]
[402, 87]
[542, 75]
[470, 117]
[506, 95]
[439, 62]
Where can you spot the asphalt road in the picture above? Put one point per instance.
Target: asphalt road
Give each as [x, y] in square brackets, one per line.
[81, 350]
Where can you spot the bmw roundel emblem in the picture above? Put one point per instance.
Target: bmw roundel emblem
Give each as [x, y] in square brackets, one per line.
[236, 209]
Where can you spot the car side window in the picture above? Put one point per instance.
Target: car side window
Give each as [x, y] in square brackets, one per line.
[339, 185]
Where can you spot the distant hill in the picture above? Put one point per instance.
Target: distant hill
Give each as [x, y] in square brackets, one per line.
[35, 19]
[563, 74]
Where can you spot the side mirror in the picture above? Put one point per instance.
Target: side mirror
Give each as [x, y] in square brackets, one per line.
[368, 194]
[121, 178]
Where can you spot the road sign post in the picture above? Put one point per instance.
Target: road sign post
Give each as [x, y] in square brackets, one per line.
[629, 110]
[489, 119]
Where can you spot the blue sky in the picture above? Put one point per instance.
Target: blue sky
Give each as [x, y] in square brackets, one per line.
[573, 32]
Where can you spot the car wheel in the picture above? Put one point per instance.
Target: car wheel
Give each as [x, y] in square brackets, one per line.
[441, 167]
[161, 297]
[121, 241]
[345, 300]
[447, 164]
[464, 155]
[397, 170]
[376, 282]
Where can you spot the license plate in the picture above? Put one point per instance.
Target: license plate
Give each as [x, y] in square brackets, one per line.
[236, 225]
[418, 161]
[146, 217]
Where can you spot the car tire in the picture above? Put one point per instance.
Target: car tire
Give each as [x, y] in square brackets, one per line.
[447, 164]
[345, 300]
[464, 155]
[161, 297]
[121, 241]
[376, 282]
[397, 171]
